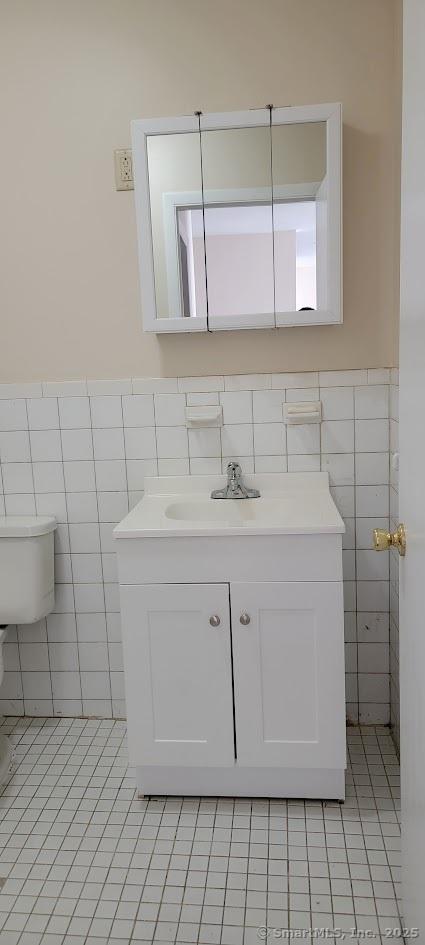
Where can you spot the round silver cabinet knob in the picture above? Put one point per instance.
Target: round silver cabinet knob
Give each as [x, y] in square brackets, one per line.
[245, 619]
[215, 620]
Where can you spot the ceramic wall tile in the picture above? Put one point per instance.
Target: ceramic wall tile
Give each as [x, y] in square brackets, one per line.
[81, 450]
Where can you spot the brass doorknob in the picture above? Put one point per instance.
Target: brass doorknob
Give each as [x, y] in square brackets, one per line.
[383, 540]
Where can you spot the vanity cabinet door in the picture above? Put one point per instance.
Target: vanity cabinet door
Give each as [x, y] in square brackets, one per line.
[177, 658]
[288, 660]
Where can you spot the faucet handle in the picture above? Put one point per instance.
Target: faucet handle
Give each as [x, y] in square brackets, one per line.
[233, 469]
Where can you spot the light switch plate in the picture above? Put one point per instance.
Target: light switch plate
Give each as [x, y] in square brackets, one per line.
[124, 169]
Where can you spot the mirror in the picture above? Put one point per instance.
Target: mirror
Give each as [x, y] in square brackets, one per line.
[299, 182]
[176, 218]
[239, 219]
[236, 170]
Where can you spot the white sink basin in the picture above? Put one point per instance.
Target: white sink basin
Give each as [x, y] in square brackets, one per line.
[290, 503]
[232, 511]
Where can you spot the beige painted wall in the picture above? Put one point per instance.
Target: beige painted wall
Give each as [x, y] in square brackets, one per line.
[72, 75]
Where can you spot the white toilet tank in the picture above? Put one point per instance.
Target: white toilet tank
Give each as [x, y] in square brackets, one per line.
[27, 582]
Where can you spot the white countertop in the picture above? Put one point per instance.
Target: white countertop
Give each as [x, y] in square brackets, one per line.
[290, 504]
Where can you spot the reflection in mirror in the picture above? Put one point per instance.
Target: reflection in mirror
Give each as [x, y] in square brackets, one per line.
[191, 258]
[238, 224]
[299, 215]
[175, 193]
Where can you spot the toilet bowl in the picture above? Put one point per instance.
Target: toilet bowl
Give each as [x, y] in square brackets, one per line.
[6, 754]
[27, 584]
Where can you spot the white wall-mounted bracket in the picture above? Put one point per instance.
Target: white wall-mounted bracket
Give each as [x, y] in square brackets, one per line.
[302, 412]
[204, 416]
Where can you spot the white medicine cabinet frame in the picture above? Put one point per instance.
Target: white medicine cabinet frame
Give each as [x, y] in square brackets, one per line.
[239, 219]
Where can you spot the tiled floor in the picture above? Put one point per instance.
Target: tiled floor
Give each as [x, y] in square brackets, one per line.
[89, 864]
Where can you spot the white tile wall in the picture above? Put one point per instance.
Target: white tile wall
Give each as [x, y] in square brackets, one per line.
[81, 449]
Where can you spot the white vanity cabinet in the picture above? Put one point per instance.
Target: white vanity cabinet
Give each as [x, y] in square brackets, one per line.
[287, 673]
[233, 650]
[179, 674]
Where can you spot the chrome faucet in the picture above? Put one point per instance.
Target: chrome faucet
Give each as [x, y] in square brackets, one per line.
[235, 488]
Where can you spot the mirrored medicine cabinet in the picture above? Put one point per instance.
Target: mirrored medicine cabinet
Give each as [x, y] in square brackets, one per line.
[239, 219]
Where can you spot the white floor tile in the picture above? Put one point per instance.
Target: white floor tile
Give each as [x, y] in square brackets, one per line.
[87, 863]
